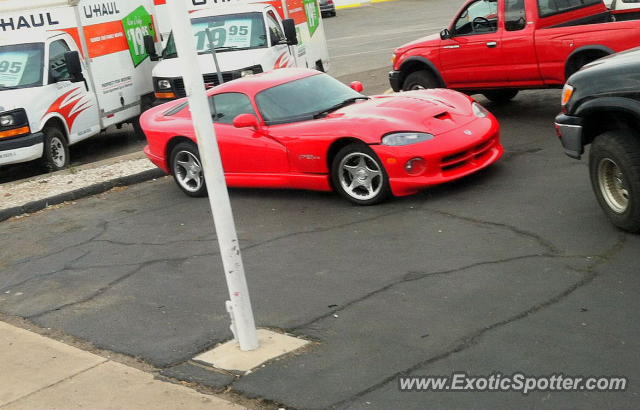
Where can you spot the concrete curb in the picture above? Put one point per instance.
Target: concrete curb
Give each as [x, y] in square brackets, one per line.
[90, 190]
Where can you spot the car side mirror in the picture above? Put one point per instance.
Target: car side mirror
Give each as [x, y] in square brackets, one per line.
[246, 121]
[290, 32]
[150, 48]
[445, 34]
[74, 66]
[357, 86]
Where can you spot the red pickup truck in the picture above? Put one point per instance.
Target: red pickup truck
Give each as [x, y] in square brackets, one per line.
[498, 47]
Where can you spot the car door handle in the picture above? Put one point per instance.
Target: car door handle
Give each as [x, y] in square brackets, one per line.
[454, 46]
[492, 44]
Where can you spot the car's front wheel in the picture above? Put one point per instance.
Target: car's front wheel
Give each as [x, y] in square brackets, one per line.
[187, 171]
[614, 164]
[56, 150]
[359, 176]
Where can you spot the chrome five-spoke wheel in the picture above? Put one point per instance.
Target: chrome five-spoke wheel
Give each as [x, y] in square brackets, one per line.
[187, 169]
[358, 175]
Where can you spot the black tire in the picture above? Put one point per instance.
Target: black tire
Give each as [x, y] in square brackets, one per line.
[190, 180]
[379, 189]
[614, 166]
[137, 129]
[56, 150]
[419, 80]
[501, 96]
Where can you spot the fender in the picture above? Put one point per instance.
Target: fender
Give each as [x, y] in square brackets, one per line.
[594, 47]
[56, 115]
[426, 62]
[610, 104]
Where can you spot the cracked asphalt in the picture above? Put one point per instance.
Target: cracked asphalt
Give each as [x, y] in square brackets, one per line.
[512, 270]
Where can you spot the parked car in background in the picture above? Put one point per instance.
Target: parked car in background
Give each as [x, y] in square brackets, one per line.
[601, 108]
[299, 128]
[328, 8]
[497, 47]
[626, 9]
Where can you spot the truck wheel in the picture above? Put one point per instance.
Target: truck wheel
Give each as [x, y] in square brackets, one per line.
[137, 129]
[187, 171]
[56, 150]
[614, 165]
[419, 80]
[501, 96]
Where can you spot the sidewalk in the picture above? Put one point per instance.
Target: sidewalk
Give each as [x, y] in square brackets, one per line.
[41, 373]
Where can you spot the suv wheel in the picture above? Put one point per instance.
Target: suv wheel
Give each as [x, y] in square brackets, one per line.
[614, 164]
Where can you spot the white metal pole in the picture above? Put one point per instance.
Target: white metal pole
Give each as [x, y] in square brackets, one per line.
[240, 304]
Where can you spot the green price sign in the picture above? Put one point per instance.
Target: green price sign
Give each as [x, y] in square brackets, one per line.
[137, 25]
[313, 15]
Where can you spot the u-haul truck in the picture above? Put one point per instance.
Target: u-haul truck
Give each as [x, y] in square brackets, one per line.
[69, 69]
[249, 36]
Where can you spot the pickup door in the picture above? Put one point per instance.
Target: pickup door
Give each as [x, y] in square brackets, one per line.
[491, 46]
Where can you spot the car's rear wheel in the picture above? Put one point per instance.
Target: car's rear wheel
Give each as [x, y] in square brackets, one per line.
[614, 164]
[500, 96]
[187, 171]
[419, 80]
[359, 176]
[56, 150]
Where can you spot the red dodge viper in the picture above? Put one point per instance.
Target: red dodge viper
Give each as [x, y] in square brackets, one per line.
[299, 128]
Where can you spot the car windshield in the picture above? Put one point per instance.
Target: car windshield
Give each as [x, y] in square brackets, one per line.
[21, 66]
[304, 99]
[229, 32]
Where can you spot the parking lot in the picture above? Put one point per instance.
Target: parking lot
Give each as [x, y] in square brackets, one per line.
[515, 269]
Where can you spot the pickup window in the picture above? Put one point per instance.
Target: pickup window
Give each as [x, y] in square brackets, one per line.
[516, 16]
[552, 7]
[479, 17]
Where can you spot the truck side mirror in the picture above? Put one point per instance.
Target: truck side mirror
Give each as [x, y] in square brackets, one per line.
[150, 48]
[74, 66]
[289, 26]
[445, 34]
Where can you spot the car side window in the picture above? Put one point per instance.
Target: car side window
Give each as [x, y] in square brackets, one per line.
[479, 17]
[226, 107]
[275, 31]
[58, 70]
[516, 17]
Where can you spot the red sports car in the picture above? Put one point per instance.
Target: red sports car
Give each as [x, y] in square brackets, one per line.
[299, 128]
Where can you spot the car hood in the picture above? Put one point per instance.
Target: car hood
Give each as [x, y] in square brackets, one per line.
[432, 111]
[432, 40]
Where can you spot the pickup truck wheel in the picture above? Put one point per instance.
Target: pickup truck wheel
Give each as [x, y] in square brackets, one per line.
[614, 164]
[56, 150]
[419, 80]
[501, 96]
[187, 171]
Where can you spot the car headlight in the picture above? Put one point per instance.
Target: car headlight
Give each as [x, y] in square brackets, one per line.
[567, 93]
[479, 110]
[7, 121]
[164, 85]
[406, 138]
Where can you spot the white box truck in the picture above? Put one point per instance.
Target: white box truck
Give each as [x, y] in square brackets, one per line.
[69, 69]
[250, 37]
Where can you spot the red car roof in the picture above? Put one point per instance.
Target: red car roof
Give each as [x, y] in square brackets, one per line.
[255, 83]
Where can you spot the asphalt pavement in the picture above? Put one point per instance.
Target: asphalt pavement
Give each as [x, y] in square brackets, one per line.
[512, 270]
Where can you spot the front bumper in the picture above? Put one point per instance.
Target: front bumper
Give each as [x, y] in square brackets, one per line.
[569, 130]
[394, 80]
[21, 149]
[457, 156]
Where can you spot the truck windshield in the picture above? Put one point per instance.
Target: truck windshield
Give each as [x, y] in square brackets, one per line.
[21, 66]
[230, 32]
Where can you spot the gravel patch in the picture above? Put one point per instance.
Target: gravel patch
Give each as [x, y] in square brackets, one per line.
[19, 193]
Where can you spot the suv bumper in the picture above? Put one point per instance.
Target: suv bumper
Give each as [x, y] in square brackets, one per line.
[569, 130]
[21, 149]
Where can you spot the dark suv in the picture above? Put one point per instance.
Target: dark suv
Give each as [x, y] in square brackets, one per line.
[601, 108]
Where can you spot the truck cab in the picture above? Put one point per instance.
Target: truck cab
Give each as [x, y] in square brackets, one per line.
[35, 84]
[248, 39]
